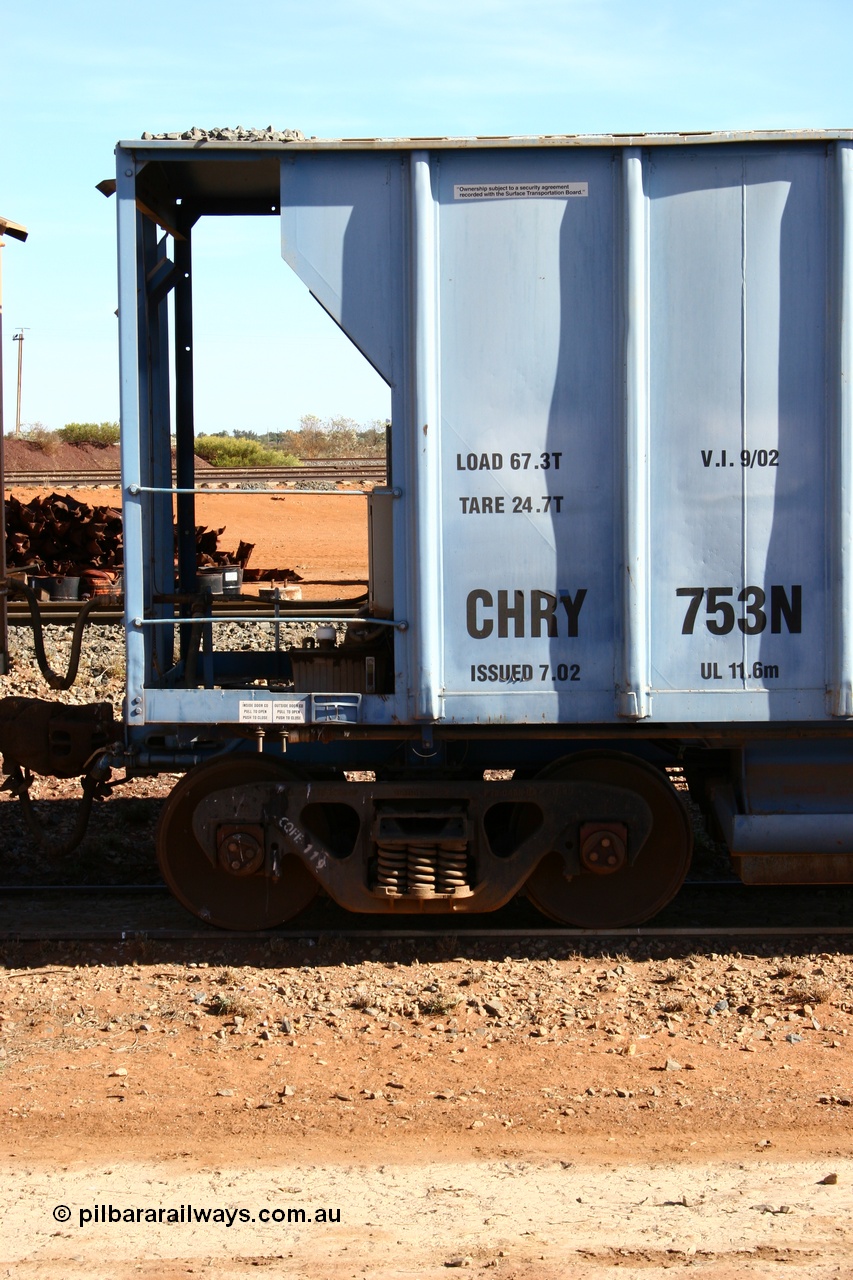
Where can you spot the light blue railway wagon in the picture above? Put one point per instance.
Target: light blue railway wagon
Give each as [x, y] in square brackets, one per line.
[614, 541]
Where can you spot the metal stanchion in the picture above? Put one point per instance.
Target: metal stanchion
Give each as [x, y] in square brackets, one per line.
[17, 232]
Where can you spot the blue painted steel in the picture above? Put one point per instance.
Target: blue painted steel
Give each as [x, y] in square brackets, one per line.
[841, 527]
[342, 233]
[161, 553]
[634, 699]
[131, 434]
[287, 711]
[532, 410]
[738, 322]
[619, 390]
[425, 425]
[781, 833]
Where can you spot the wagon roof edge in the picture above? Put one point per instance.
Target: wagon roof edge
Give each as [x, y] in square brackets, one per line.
[198, 141]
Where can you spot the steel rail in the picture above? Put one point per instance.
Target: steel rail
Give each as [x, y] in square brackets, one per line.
[520, 934]
[334, 469]
[95, 889]
[157, 886]
[455, 927]
[64, 614]
[340, 462]
[452, 927]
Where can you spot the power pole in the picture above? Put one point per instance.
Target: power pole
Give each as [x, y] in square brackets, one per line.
[19, 338]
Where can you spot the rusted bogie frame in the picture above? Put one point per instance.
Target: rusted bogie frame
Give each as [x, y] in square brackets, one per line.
[250, 830]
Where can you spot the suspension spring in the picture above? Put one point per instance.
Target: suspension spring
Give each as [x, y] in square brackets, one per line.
[421, 870]
[452, 870]
[392, 869]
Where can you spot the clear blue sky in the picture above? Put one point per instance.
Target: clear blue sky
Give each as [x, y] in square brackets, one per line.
[75, 78]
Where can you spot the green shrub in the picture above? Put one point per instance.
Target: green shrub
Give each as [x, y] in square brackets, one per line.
[100, 434]
[225, 451]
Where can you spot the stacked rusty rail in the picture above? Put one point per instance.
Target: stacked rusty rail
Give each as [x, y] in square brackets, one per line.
[57, 534]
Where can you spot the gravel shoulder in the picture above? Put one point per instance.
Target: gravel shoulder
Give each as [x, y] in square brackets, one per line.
[528, 1053]
[536, 1112]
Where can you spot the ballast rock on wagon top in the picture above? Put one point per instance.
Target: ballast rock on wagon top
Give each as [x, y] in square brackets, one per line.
[615, 534]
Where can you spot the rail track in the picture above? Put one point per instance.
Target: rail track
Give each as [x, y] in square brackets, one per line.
[64, 613]
[75, 913]
[60, 613]
[334, 469]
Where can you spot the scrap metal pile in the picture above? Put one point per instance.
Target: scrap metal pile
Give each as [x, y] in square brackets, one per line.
[227, 134]
[59, 535]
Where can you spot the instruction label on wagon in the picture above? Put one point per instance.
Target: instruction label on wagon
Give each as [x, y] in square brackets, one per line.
[255, 712]
[520, 190]
[262, 711]
[288, 713]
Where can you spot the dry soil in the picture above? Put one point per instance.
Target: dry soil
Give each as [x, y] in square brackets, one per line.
[534, 1113]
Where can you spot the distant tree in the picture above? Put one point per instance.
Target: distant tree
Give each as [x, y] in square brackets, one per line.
[343, 438]
[316, 438]
[312, 436]
[371, 439]
[99, 434]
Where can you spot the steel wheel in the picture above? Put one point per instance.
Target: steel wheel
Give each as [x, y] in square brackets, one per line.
[228, 901]
[635, 892]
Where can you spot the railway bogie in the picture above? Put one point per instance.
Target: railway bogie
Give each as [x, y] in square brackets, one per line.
[601, 839]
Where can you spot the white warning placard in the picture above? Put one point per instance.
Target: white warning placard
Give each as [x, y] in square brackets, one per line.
[520, 190]
[288, 713]
[255, 712]
[265, 711]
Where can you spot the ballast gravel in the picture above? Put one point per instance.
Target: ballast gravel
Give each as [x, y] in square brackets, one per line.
[575, 1038]
[119, 844]
[102, 661]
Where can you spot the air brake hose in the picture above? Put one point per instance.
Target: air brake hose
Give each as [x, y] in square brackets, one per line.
[19, 783]
[53, 680]
[199, 604]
